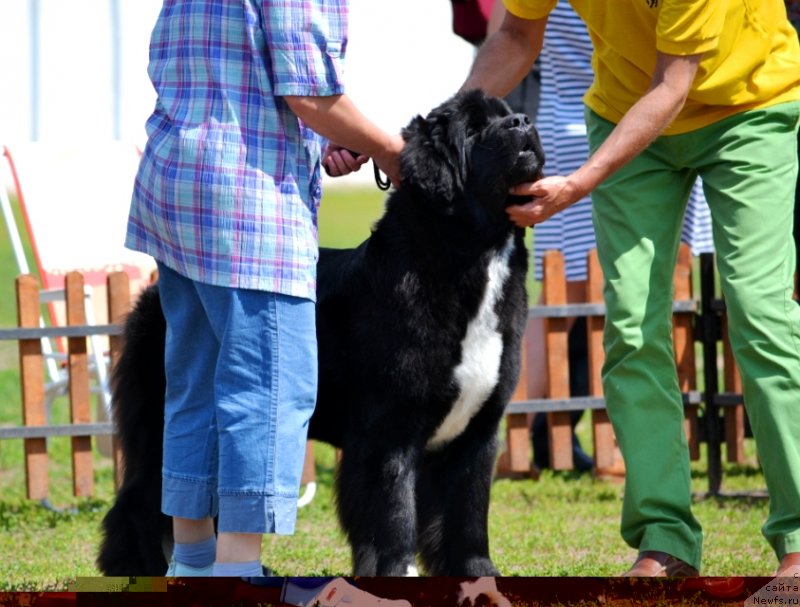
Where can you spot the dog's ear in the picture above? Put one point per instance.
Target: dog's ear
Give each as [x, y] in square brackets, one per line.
[434, 158]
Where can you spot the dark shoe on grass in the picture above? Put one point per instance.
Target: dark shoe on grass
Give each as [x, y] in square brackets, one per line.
[652, 563]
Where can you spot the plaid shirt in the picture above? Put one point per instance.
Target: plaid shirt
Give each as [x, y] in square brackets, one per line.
[229, 182]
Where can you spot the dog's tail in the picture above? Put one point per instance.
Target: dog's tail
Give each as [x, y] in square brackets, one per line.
[134, 529]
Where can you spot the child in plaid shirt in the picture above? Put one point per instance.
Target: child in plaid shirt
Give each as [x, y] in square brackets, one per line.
[226, 200]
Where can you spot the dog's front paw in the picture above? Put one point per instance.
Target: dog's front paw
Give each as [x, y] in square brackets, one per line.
[478, 567]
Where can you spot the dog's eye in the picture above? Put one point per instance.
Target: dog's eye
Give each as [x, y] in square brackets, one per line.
[475, 130]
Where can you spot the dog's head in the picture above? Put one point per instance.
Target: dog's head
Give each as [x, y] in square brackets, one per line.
[466, 154]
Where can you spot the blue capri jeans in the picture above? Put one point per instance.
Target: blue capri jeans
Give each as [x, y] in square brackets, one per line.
[241, 368]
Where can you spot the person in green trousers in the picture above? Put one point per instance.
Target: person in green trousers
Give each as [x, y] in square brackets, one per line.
[682, 88]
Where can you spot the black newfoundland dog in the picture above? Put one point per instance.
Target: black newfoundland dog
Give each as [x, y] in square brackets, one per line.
[419, 333]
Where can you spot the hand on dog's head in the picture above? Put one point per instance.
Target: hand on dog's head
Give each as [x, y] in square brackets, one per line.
[470, 147]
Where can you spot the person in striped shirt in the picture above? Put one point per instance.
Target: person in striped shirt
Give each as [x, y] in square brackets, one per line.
[225, 200]
[682, 88]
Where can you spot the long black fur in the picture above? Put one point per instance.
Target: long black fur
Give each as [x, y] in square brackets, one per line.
[392, 315]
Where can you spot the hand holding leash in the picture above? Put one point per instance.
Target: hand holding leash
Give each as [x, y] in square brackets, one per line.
[339, 161]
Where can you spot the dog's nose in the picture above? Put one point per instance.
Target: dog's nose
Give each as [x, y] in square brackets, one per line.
[517, 121]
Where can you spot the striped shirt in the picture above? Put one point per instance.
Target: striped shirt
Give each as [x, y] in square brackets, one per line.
[229, 183]
[793, 11]
[566, 74]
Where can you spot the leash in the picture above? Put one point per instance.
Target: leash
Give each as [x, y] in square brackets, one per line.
[383, 183]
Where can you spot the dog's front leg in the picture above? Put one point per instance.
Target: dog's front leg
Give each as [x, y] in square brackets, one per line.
[453, 503]
[375, 488]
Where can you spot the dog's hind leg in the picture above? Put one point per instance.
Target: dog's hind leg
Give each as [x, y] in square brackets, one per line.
[134, 528]
[135, 533]
[453, 504]
[375, 497]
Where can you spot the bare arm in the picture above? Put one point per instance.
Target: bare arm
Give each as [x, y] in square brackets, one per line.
[338, 119]
[640, 126]
[507, 55]
[496, 16]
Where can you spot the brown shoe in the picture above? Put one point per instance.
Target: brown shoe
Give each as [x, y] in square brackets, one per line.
[790, 565]
[651, 563]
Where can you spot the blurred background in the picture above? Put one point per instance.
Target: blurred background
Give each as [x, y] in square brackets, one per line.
[78, 68]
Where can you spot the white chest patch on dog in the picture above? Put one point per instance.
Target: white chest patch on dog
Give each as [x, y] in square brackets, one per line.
[477, 373]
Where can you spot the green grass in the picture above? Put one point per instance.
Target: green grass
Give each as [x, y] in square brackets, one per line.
[562, 524]
[347, 215]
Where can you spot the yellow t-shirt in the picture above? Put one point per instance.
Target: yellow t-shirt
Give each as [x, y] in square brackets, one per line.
[751, 54]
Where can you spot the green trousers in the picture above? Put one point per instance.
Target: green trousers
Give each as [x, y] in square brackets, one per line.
[748, 164]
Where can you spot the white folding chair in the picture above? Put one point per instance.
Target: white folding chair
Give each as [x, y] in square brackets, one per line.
[74, 201]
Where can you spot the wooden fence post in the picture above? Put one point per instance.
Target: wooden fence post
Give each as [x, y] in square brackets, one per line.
[734, 415]
[79, 395]
[516, 460]
[31, 365]
[607, 456]
[118, 287]
[559, 425]
[683, 340]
